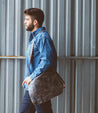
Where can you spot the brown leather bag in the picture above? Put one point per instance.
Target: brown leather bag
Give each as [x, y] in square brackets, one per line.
[45, 86]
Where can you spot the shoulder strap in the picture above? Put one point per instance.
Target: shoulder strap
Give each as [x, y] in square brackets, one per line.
[31, 53]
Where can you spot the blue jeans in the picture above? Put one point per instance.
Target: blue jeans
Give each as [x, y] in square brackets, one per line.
[28, 107]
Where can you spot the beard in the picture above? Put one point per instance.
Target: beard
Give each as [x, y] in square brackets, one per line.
[30, 27]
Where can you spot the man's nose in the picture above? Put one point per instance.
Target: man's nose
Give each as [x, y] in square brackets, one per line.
[24, 22]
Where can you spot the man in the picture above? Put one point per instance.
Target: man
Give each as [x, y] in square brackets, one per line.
[44, 57]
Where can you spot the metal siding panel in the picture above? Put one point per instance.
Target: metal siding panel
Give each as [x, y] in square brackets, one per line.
[78, 26]
[92, 86]
[28, 4]
[44, 8]
[93, 28]
[85, 28]
[3, 30]
[60, 30]
[71, 37]
[64, 100]
[2, 52]
[96, 91]
[53, 34]
[36, 3]
[17, 53]
[2, 86]
[61, 98]
[84, 93]
[87, 96]
[17, 87]
[93, 53]
[78, 87]
[67, 29]
[53, 21]
[9, 63]
[10, 28]
[85, 87]
[9, 87]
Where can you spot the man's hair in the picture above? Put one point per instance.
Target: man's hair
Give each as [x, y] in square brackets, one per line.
[35, 13]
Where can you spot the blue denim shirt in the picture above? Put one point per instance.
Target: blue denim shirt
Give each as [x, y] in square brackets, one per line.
[44, 54]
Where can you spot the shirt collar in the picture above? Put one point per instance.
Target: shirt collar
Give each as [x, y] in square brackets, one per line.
[37, 31]
[33, 34]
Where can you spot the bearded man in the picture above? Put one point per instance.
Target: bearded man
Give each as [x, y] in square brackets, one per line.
[44, 57]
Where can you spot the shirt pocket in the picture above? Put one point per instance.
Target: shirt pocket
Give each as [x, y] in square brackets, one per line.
[35, 50]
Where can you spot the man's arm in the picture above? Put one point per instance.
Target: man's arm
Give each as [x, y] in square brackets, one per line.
[46, 56]
[46, 59]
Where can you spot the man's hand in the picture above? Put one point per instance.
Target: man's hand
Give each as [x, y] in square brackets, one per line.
[27, 81]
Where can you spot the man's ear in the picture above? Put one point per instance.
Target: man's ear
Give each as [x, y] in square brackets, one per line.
[35, 22]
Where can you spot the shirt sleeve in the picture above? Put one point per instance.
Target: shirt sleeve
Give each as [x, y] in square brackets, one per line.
[46, 56]
[26, 68]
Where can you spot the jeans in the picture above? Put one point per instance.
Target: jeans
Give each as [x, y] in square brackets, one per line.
[28, 107]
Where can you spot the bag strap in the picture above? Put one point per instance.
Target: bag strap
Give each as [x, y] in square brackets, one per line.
[31, 53]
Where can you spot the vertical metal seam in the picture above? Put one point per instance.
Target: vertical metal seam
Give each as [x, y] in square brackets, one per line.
[83, 27]
[6, 106]
[58, 26]
[76, 23]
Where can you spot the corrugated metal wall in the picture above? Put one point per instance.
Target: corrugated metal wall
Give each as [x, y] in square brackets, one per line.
[72, 25]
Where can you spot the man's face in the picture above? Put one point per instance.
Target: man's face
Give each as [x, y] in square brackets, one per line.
[28, 23]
